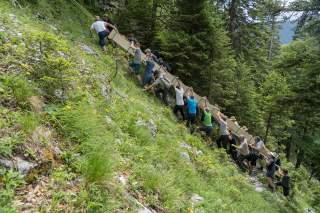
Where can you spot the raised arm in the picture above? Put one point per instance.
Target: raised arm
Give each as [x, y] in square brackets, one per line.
[205, 104]
[110, 25]
[190, 92]
[220, 120]
[132, 46]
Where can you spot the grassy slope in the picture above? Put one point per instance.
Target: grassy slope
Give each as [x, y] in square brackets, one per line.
[97, 150]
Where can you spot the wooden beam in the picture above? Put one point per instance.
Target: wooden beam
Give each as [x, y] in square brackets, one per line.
[125, 44]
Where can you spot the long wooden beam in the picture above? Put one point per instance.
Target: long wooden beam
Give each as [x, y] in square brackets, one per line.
[236, 129]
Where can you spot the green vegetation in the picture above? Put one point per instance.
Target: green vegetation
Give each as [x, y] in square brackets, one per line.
[93, 154]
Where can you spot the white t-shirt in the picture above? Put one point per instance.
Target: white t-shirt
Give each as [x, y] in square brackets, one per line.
[99, 26]
[224, 128]
[179, 96]
[244, 148]
[260, 145]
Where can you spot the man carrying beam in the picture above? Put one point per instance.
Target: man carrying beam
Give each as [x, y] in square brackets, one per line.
[224, 133]
[101, 28]
[207, 121]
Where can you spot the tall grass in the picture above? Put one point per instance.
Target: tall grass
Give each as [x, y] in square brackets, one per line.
[83, 125]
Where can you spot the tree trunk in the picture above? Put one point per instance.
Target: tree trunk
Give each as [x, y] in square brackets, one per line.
[153, 21]
[288, 148]
[299, 158]
[233, 21]
[270, 52]
[300, 154]
[268, 126]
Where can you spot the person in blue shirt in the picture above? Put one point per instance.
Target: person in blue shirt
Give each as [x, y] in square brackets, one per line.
[192, 105]
[148, 73]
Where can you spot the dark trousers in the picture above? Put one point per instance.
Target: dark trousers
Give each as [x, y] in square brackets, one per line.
[147, 79]
[178, 108]
[234, 154]
[207, 130]
[102, 38]
[162, 93]
[240, 162]
[223, 141]
[285, 190]
[191, 119]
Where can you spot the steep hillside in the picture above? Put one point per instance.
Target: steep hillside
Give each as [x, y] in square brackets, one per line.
[80, 144]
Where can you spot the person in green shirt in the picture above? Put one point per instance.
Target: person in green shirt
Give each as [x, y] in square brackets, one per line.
[207, 121]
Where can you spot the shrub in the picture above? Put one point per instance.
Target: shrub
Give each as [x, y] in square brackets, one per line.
[11, 181]
[20, 88]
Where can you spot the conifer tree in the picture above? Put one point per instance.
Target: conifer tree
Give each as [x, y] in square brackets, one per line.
[198, 48]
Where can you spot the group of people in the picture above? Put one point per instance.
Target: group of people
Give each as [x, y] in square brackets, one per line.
[186, 104]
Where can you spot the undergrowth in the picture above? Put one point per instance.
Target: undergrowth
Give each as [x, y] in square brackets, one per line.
[98, 132]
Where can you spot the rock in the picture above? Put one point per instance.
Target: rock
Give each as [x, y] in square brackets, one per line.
[122, 179]
[150, 124]
[57, 150]
[6, 163]
[87, 49]
[108, 119]
[118, 141]
[53, 28]
[195, 198]
[258, 186]
[58, 93]
[309, 210]
[140, 123]
[105, 92]
[199, 153]
[146, 210]
[121, 94]
[12, 17]
[153, 128]
[19, 164]
[24, 166]
[185, 145]
[62, 54]
[185, 156]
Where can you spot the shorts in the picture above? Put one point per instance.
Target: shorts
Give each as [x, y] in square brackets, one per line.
[225, 141]
[135, 67]
[191, 118]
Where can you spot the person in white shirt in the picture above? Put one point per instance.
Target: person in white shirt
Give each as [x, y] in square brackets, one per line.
[260, 147]
[179, 107]
[224, 133]
[100, 27]
[243, 152]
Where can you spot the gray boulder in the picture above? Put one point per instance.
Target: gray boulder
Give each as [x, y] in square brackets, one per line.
[185, 156]
[87, 49]
[22, 166]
